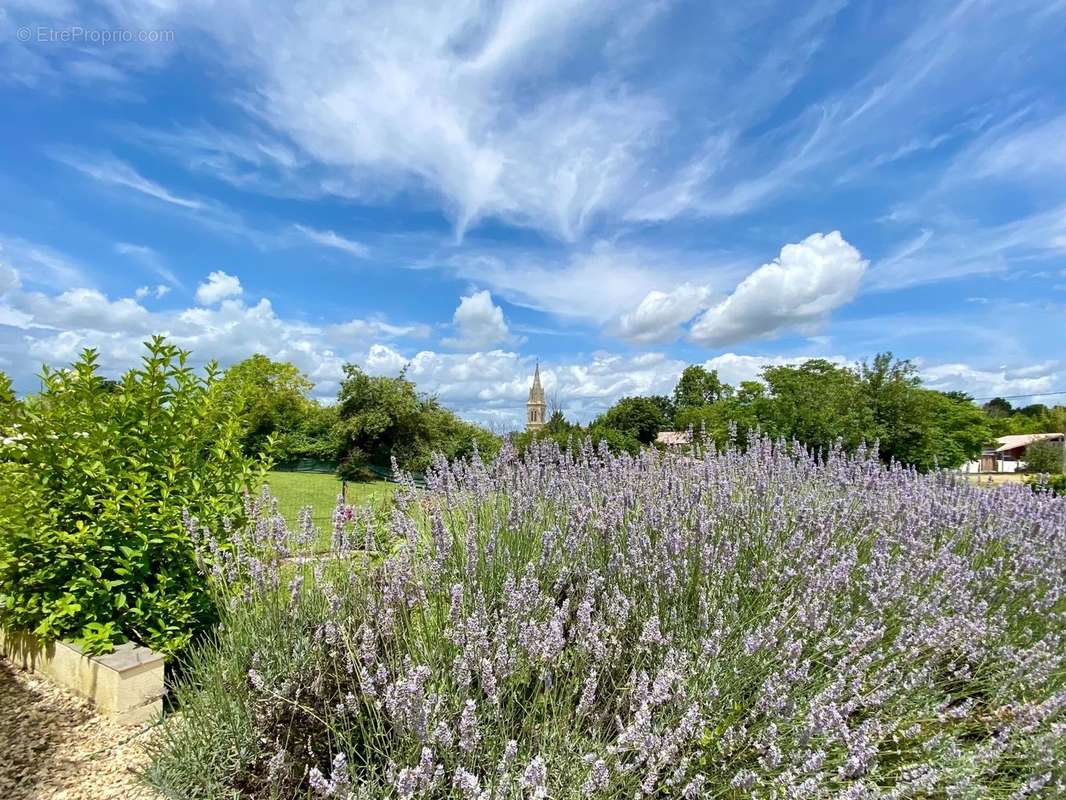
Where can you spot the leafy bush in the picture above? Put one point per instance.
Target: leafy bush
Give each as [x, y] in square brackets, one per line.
[637, 418]
[749, 624]
[1044, 457]
[382, 419]
[92, 542]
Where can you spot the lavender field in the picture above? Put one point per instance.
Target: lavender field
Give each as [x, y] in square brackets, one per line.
[743, 624]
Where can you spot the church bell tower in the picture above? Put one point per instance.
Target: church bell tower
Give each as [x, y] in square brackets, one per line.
[535, 406]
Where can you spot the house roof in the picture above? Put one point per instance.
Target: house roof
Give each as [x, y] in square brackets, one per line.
[1017, 440]
[674, 438]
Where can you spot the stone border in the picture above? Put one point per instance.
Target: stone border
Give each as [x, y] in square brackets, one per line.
[125, 685]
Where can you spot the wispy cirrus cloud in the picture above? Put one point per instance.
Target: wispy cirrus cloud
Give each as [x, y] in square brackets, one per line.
[107, 169]
[328, 238]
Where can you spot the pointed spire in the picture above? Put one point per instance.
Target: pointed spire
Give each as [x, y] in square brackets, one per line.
[536, 405]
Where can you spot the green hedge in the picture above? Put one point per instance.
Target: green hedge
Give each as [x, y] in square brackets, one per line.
[96, 477]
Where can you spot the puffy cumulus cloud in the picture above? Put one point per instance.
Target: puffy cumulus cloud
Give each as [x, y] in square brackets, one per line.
[795, 291]
[492, 387]
[157, 291]
[478, 323]
[1033, 380]
[599, 283]
[217, 286]
[36, 327]
[660, 315]
[87, 309]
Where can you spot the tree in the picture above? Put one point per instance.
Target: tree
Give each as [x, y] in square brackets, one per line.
[273, 396]
[891, 392]
[998, 407]
[1033, 410]
[817, 403]
[380, 418]
[950, 431]
[557, 423]
[640, 418]
[316, 436]
[697, 387]
[1044, 457]
[617, 441]
[8, 404]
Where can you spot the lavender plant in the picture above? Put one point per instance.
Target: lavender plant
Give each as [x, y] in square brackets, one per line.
[766, 624]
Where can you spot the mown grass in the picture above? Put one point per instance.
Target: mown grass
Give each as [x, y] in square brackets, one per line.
[294, 490]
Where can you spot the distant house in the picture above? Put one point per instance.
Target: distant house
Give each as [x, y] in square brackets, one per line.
[1008, 452]
[674, 440]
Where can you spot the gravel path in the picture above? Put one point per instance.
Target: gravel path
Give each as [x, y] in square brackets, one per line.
[52, 745]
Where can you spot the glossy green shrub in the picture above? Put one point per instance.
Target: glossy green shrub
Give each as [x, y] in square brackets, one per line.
[94, 477]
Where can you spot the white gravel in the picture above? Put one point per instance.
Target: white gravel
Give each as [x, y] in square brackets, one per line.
[52, 745]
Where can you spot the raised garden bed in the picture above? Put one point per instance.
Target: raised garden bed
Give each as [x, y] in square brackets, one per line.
[126, 686]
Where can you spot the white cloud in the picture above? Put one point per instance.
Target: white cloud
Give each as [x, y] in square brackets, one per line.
[660, 315]
[217, 286]
[146, 291]
[1032, 151]
[110, 170]
[599, 283]
[360, 330]
[334, 240]
[795, 291]
[961, 250]
[478, 323]
[149, 259]
[389, 97]
[41, 265]
[986, 382]
[493, 386]
[9, 278]
[488, 386]
[36, 327]
[86, 308]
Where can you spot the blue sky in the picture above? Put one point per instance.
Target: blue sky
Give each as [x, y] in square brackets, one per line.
[617, 189]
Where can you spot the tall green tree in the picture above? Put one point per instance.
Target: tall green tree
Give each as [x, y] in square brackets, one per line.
[998, 407]
[697, 387]
[817, 403]
[381, 418]
[273, 396]
[638, 417]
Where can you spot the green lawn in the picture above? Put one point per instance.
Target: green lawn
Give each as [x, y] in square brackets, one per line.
[294, 490]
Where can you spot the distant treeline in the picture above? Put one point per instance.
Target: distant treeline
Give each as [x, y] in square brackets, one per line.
[818, 403]
[378, 419]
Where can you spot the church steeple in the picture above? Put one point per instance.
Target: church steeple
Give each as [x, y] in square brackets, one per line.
[535, 406]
